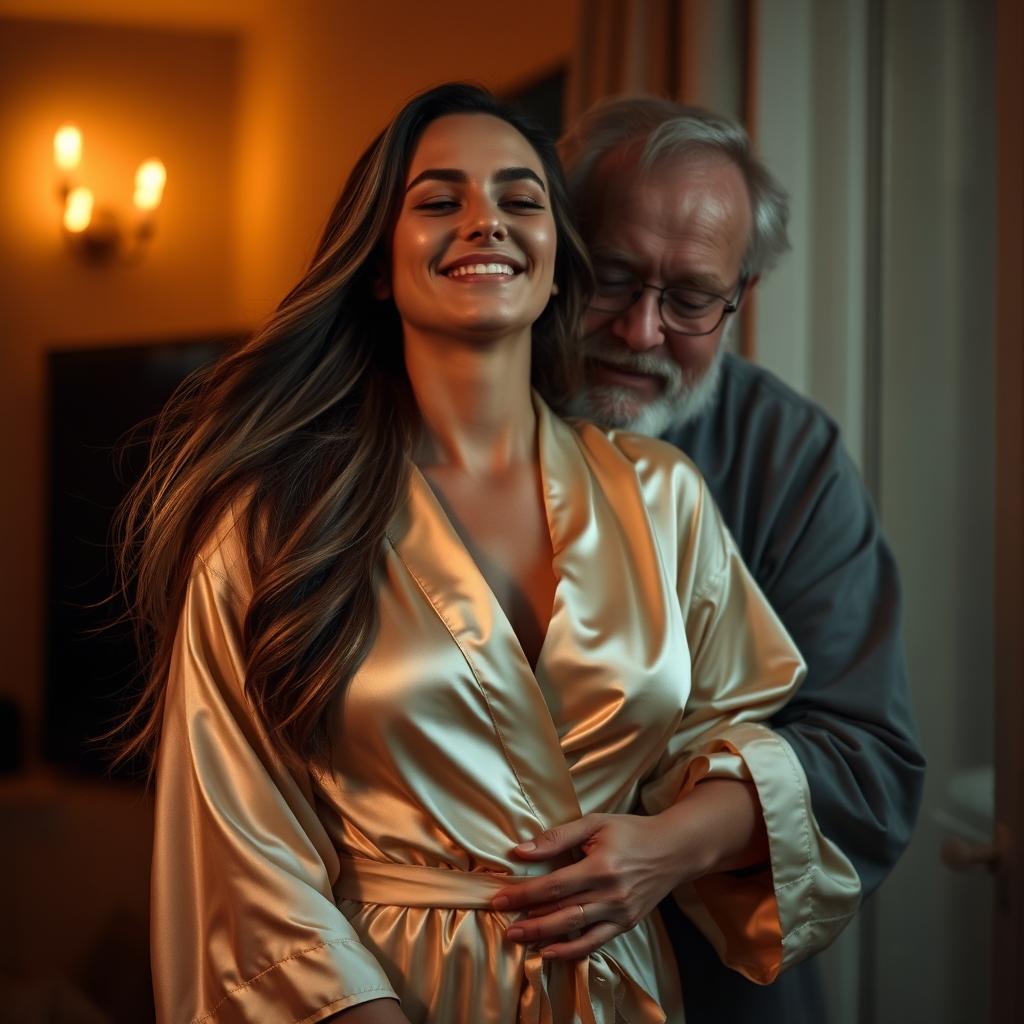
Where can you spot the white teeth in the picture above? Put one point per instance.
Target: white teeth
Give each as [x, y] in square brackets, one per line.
[481, 269]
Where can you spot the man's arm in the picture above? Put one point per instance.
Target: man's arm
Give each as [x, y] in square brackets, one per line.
[834, 584]
[795, 504]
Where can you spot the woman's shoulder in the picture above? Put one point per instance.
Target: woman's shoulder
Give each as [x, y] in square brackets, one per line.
[656, 463]
[668, 484]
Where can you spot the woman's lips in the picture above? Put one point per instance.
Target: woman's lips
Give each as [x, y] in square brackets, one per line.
[479, 267]
[493, 268]
[618, 376]
[472, 278]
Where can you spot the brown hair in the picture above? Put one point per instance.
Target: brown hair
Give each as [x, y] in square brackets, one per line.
[310, 424]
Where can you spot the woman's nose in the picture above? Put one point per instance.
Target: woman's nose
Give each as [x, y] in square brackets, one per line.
[485, 223]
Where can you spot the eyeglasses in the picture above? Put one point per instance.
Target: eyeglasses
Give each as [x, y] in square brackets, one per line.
[682, 310]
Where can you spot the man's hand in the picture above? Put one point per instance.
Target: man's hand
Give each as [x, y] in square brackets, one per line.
[629, 864]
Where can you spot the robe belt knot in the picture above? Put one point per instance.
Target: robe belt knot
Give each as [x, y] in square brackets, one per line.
[605, 993]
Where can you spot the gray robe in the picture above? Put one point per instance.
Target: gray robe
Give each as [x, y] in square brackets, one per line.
[804, 524]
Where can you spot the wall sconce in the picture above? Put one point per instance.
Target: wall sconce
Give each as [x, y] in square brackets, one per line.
[95, 232]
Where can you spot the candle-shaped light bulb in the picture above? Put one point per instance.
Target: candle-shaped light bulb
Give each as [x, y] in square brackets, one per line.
[78, 210]
[67, 147]
[150, 179]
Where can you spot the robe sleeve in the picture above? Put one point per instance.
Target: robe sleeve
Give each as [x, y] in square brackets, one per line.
[828, 569]
[244, 925]
[744, 667]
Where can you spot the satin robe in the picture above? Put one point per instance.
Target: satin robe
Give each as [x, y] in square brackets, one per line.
[289, 897]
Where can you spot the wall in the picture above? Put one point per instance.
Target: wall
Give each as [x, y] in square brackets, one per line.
[135, 93]
[784, 137]
[937, 475]
[809, 314]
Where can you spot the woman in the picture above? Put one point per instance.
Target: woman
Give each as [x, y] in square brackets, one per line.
[439, 654]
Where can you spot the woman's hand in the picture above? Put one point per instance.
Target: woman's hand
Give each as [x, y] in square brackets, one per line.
[630, 863]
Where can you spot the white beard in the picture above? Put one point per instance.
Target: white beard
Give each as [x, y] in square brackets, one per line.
[618, 407]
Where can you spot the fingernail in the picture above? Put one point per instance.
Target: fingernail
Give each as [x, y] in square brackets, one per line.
[527, 847]
[500, 903]
[515, 933]
[548, 954]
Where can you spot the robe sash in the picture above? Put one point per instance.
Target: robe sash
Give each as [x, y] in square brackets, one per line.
[610, 993]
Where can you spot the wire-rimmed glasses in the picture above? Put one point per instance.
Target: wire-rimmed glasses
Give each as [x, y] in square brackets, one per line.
[683, 310]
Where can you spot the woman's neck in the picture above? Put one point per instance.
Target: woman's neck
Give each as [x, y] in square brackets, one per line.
[475, 403]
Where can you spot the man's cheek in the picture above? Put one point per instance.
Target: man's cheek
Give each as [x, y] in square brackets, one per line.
[694, 354]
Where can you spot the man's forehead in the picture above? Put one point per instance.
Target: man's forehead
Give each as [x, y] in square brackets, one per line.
[699, 201]
[673, 180]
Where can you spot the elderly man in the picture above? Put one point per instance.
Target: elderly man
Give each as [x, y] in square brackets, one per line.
[681, 220]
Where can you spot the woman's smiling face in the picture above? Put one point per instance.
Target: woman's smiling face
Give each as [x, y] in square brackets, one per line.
[473, 249]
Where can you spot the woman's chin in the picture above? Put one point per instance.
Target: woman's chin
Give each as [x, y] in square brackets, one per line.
[479, 325]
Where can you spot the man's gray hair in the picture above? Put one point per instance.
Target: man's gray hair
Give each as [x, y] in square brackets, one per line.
[664, 129]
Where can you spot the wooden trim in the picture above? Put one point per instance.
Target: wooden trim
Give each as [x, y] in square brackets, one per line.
[1008, 918]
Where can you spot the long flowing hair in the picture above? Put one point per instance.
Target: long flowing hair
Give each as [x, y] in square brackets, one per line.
[308, 427]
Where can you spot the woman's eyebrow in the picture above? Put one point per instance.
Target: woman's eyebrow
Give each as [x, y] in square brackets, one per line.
[459, 177]
[518, 174]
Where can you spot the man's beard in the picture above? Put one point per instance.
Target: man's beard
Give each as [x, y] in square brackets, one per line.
[619, 407]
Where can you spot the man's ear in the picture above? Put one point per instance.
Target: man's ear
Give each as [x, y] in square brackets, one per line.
[749, 288]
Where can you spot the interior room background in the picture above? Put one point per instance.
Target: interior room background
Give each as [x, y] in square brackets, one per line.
[878, 117]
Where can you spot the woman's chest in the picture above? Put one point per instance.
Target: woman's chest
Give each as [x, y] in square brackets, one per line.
[447, 694]
[502, 523]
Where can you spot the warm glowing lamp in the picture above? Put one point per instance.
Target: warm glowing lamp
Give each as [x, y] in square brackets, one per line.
[67, 147]
[78, 210]
[150, 179]
[97, 232]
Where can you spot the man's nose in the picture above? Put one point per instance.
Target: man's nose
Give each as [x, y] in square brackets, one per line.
[640, 326]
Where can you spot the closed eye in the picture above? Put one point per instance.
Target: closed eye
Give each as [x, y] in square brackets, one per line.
[438, 205]
[611, 283]
[689, 302]
[523, 203]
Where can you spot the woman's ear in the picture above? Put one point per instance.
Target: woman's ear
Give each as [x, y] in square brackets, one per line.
[554, 287]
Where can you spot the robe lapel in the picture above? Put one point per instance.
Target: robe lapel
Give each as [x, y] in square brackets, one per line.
[608, 620]
[616, 623]
[450, 580]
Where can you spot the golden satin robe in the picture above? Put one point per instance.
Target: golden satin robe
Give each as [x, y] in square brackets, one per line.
[285, 898]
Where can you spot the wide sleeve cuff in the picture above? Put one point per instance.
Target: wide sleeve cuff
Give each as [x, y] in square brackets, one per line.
[763, 921]
[304, 987]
